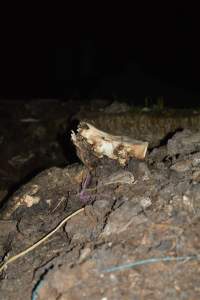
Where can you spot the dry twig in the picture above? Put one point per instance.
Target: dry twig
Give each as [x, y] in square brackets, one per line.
[29, 249]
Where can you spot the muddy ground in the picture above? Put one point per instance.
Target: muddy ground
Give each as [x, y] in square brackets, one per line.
[138, 236]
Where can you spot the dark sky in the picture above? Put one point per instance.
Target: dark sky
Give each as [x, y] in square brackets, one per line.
[83, 50]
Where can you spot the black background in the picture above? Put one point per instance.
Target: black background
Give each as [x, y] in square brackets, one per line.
[82, 51]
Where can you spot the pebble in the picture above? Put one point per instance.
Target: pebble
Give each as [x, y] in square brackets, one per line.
[182, 166]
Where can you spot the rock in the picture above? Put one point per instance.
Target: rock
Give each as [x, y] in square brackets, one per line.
[188, 203]
[182, 166]
[158, 154]
[145, 202]
[143, 171]
[85, 252]
[117, 107]
[120, 177]
[196, 176]
[195, 159]
[123, 217]
[184, 142]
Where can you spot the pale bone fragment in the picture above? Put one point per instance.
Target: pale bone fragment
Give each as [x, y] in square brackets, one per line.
[30, 200]
[120, 148]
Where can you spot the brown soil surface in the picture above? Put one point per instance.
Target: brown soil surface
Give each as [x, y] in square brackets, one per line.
[135, 239]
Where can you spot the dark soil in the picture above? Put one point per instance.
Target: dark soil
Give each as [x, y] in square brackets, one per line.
[155, 215]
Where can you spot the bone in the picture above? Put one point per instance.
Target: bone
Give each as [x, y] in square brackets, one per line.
[100, 143]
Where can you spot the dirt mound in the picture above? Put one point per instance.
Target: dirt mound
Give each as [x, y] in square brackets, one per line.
[134, 239]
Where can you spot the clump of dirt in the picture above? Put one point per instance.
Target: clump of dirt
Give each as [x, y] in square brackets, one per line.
[135, 239]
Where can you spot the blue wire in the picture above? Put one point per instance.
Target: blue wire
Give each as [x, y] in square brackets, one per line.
[129, 266]
[149, 261]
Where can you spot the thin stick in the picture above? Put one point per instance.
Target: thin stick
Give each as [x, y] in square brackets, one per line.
[29, 249]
